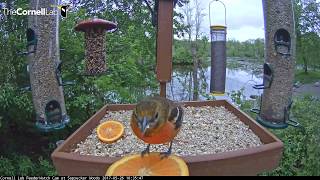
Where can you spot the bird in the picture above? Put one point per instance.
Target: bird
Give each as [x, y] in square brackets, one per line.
[157, 120]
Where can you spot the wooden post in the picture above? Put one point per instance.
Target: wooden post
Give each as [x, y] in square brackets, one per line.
[164, 44]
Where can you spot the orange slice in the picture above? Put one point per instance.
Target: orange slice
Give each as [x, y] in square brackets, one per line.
[110, 131]
[149, 165]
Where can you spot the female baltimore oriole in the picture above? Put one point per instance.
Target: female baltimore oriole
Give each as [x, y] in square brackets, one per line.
[156, 120]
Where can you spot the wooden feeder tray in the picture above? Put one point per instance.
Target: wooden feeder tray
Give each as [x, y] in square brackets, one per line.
[250, 161]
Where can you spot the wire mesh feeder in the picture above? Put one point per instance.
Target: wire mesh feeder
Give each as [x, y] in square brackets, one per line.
[95, 54]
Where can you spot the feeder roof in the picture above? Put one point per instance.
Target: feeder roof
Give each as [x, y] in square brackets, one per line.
[95, 23]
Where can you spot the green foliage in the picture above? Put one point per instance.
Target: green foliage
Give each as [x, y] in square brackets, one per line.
[181, 52]
[13, 100]
[24, 166]
[6, 167]
[307, 29]
[239, 99]
[130, 61]
[310, 77]
[248, 49]
[45, 167]
[131, 66]
[301, 154]
[253, 49]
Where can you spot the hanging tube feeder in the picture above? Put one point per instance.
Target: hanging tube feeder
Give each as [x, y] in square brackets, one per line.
[43, 55]
[280, 54]
[218, 55]
[95, 53]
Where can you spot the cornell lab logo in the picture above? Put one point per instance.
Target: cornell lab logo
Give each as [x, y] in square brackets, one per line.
[63, 9]
[37, 12]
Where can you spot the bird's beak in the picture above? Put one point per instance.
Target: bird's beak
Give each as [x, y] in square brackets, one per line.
[144, 126]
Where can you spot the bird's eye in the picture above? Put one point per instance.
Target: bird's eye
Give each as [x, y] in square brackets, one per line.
[157, 115]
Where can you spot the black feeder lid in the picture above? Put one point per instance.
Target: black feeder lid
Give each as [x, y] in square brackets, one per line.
[95, 23]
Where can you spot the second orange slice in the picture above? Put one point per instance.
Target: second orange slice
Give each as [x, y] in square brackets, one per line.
[110, 131]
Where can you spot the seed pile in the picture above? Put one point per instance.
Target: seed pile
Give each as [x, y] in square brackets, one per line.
[206, 130]
[95, 52]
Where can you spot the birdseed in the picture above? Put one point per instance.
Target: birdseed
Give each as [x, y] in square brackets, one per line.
[205, 130]
[95, 51]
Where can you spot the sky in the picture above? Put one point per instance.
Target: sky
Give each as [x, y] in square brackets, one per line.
[244, 18]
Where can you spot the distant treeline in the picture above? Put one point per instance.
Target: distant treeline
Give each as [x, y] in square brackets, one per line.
[250, 48]
[253, 49]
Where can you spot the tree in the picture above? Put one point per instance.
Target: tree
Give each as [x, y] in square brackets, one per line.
[194, 15]
[307, 18]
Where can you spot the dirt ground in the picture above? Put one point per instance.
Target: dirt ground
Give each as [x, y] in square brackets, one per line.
[307, 89]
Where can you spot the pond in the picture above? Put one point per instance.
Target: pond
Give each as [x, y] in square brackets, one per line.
[240, 75]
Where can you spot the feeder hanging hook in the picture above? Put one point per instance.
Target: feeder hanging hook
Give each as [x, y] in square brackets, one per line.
[225, 12]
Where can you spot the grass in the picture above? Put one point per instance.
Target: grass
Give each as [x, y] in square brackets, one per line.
[301, 145]
[301, 155]
[307, 78]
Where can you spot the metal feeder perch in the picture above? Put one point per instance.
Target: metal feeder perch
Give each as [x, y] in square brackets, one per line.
[218, 55]
[95, 54]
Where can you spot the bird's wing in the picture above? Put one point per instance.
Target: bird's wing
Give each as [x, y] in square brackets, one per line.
[176, 116]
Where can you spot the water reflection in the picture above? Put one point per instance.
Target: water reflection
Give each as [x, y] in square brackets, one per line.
[181, 87]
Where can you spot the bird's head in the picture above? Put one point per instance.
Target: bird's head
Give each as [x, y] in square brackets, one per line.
[149, 115]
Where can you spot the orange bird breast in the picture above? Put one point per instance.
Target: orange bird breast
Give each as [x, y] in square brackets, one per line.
[166, 134]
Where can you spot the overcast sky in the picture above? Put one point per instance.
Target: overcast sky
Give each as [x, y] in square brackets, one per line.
[244, 18]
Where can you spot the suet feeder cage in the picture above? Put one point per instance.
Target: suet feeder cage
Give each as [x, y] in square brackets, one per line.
[95, 46]
[218, 54]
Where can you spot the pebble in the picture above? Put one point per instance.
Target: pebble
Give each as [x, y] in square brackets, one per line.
[206, 130]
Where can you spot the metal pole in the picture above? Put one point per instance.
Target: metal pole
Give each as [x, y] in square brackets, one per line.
[163, 89]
